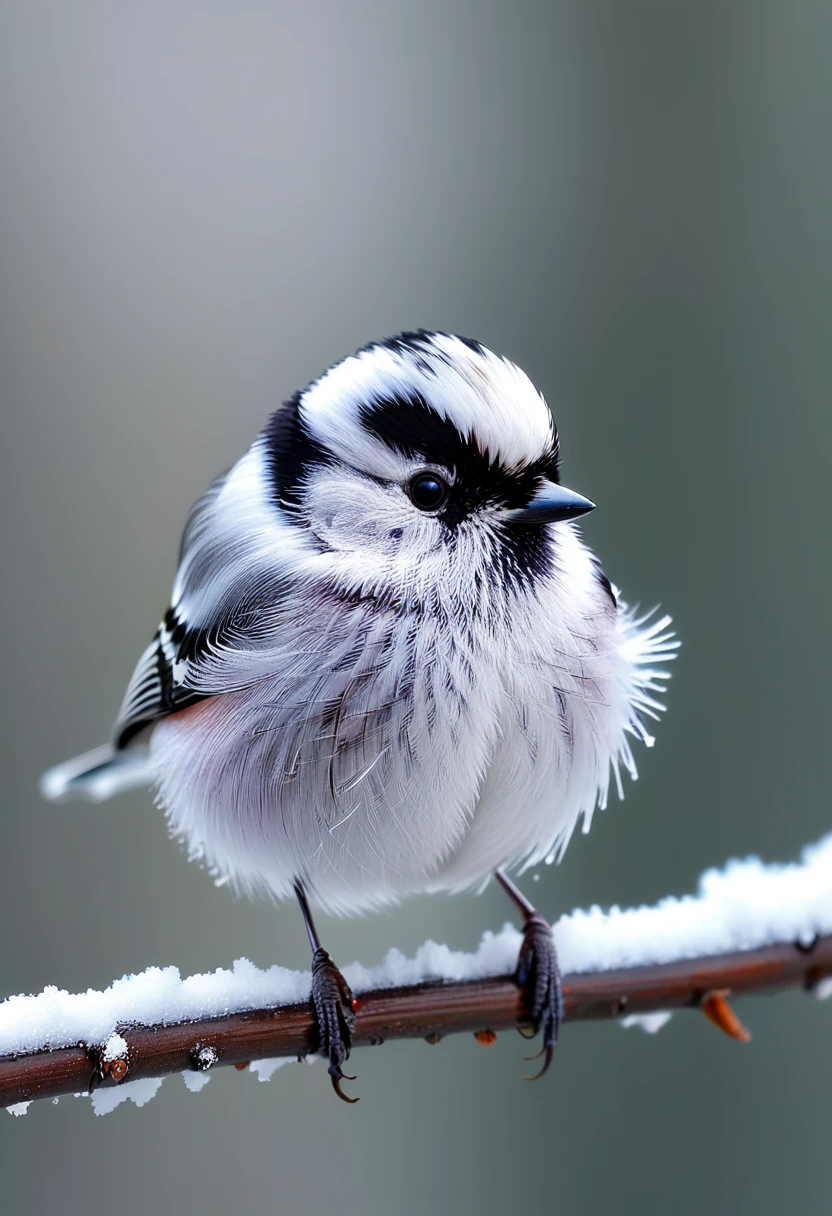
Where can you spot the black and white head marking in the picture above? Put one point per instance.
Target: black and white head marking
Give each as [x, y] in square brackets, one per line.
[423, 405]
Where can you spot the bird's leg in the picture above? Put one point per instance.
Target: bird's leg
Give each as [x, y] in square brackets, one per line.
[537, 973]
[332, 1002]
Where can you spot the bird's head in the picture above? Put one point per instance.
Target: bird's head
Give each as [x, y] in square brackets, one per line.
[419, 459]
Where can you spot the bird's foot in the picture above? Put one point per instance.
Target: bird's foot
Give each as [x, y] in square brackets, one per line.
[538, 974]
[335, 1016]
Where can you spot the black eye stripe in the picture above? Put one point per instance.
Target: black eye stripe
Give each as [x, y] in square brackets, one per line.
[408, 425]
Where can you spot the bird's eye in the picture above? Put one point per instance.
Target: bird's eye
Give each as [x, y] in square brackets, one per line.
[428, 491]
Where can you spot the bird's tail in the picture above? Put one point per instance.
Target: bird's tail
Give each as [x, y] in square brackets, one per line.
[97, 775]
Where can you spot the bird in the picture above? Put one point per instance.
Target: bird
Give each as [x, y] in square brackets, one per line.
[390, 664]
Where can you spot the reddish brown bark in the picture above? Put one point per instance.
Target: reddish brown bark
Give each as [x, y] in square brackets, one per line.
[428, 1011]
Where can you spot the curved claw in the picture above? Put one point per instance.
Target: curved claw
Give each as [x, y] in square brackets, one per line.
[549, 1051]
[336, 1080]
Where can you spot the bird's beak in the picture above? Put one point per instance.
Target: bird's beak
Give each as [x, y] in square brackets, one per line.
[550, 504]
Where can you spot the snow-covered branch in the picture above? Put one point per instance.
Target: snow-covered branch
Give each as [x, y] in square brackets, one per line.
[749, 928]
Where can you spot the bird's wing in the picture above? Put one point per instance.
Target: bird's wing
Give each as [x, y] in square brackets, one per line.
[229, 601]
[152, 692]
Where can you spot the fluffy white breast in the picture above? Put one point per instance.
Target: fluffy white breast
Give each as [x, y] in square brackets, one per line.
[390, 752]
[578, 674]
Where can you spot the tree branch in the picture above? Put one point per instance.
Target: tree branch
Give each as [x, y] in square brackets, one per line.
[429, 1011]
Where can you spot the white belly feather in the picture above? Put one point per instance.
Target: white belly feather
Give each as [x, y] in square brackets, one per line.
[409, 756]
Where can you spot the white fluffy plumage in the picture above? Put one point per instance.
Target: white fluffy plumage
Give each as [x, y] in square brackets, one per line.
[368, 694]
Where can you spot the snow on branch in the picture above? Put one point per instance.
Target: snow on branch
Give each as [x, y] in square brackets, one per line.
[750, 927]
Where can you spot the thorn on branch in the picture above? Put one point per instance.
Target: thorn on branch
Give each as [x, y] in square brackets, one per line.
[717, 1010]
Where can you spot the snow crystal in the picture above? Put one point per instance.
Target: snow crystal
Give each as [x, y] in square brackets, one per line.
[744, 906]
[265, 1069]
[57, 1018]
[650, 1023]
[140, 1092]
[195, 1081]
[206, 1058]
[115, 1048]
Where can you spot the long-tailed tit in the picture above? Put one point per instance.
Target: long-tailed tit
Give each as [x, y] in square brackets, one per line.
[390, 664]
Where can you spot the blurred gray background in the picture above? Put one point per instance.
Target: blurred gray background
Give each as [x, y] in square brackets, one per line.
[204, 204]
